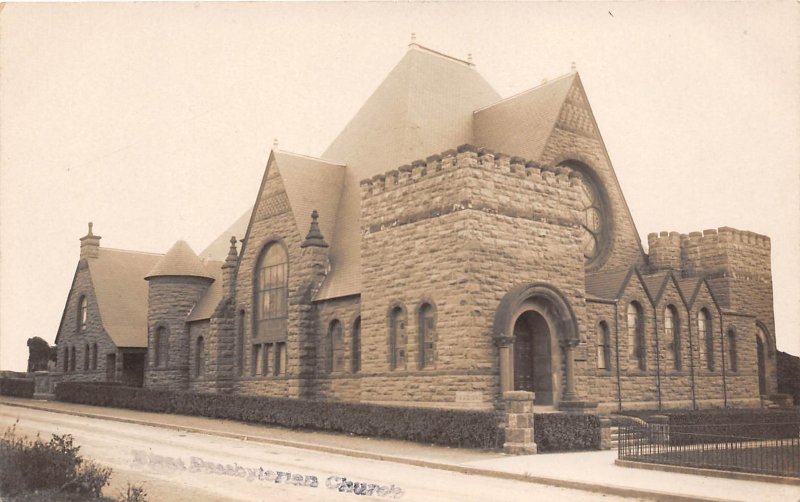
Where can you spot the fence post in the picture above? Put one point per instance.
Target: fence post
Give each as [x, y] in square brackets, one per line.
[605, 434]
[519, 423]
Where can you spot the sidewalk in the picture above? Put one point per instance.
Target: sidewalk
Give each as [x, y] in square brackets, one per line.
[593, 471]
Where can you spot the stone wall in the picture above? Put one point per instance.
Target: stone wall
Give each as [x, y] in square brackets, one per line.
[69, 334]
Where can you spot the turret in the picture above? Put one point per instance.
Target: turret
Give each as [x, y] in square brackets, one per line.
[664, 251]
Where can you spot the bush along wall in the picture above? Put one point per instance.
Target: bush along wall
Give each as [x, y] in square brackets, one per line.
[475, 429]
[566, 432]
[17, 387]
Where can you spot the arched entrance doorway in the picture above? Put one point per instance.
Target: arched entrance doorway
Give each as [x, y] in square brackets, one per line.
[532, 357]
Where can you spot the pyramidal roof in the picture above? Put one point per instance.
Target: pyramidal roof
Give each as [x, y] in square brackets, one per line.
[424, 106]
[180, 260]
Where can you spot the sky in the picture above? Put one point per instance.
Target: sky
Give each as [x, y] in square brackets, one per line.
[155, 121]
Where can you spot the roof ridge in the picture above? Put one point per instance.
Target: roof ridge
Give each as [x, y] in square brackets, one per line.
[526, 91]
[310, 157]
[414, 45]
[131, 251]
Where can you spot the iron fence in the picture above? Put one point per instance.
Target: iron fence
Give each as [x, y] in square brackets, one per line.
[656, 443]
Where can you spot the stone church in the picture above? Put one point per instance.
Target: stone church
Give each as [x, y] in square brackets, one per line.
[449, 245]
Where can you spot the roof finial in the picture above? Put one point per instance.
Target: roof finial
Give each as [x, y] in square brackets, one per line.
[275, 143]
[233, 255]
[90, 234]
[314, 237]
[413, 38]
[573, 66]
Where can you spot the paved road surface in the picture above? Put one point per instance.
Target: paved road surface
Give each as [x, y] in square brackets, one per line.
[181, 466]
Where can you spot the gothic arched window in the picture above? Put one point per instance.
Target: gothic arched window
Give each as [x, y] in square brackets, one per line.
[397, 338]
[636, 347]
[355, 362]
[200, 357]
[83, 313]
[271, 295]
[733, 363]
[335, 346]
[705, 330]
[672, 335]
[603, 346]
[427, 335]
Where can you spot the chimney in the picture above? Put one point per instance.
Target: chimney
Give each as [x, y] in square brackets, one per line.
[229, 269]
[90, 244]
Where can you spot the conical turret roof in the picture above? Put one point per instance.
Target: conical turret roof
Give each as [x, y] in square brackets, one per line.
[180, 260]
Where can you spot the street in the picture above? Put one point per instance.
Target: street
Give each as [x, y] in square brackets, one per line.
[183, 466]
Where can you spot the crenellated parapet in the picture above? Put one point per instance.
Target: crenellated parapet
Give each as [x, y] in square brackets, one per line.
[722, 252]
[471, 178]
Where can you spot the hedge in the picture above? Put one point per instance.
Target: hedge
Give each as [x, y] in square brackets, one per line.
[18, 387]
[721, 425]
[475, 429]
[566, 432]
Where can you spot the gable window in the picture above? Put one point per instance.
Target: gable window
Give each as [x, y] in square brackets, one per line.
[732, 362]
[72, 358]
[83, 313]
[355, 362]
[427, 335]
[636, 350]
[704, 330]
[603, 346]
[200, 357]
[161, 345]
[86, 357]
[94, 356]
[335, 347]
[280, 359]
[397, 338]
[271, 294]
[672, 335]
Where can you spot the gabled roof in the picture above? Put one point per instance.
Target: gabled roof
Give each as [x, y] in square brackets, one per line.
[205, 306]
[608, 285]
[522, 124]
[218, 249]
[654, 284]
[688, 287]
[180, 260]
[121, 292]
[311, 184]
[423, 106]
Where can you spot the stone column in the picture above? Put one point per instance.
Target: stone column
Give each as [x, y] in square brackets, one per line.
[569, 384]
[519, 423]
[506, 371]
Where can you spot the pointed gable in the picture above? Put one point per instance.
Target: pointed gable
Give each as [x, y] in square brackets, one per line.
[311, 184]
[522, 124]
[608, 285]
[424, 106]
[655, 284]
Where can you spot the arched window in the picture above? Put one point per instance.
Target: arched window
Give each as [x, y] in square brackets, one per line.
[672, 336]
[732, 362]
[86, 357]
[397, 338]
[355, 362]
[161, 346]
[636, 347]
[72, 358]
[603, 346]
[240, 341]
[83, 313]
[200, 357]
[94, 356]
[271, 295]
[762, 353]
[66, 359]
[335, 346]
[705, 330]
[426, 327]
[596, 222]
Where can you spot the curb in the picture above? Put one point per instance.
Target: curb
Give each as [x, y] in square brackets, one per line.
[560, 483]
[701, 471]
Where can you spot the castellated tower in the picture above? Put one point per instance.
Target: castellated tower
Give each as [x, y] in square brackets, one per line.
[176, 284]
[455, 233]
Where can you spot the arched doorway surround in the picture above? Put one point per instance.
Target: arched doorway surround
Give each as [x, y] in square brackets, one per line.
[524, 311]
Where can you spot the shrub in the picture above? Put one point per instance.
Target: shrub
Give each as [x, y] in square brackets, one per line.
[476, 429]
[566, 432]
[18, 387]
[32, 465]
[133, 493]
